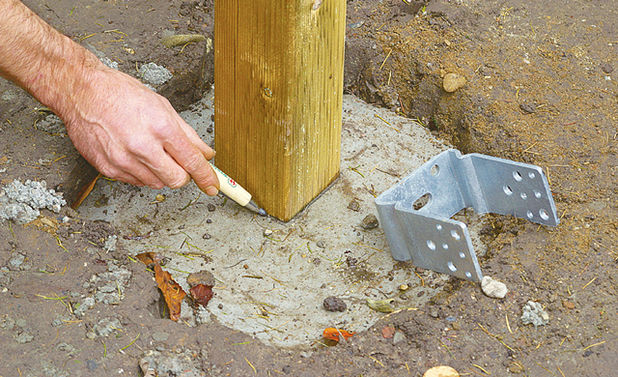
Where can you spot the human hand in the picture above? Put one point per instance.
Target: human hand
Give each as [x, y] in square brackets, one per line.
[130, 133]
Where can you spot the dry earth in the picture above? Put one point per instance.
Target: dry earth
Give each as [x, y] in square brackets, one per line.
[541, 88]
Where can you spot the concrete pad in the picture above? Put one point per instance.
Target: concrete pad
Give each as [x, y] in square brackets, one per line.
[272, 277]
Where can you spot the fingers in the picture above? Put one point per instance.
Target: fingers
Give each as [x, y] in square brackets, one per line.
[167, 170]
[197, 141]
[193, 161]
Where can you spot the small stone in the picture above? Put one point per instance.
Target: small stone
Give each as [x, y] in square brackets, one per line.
[354, 205]
[568, 304]
[20, 322]
[528, 108]
[160, 336]
[24, 337]
[160, 198]
[404, 287]
[369, 222]
[493, 288]
[209, 129]
[441, 371]
[208, 221]
[211, 207]
[607, 68]
[206, 236]
[321, 244]
[220, 306]
[334, 304]
[201, 277]
[267, 232]
[388, 332]
[91, 364]
[533, 313]
[16, 261]
[452, 82]
[398, 337]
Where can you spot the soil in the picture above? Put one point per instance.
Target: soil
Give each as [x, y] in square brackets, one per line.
[541, 88]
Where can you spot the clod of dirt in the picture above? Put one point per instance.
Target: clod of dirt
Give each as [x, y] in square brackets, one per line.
[452, 82]
[441, 371]
[201, 277]
[52, 125]
[104, 327]
[370, 222]
[533, 313]
[23, 337]
[211, 207]
[528, 108]
[399, 337]
[334, 304]
[181, 363]
[154, 74]
[16, 261]
[21, 201]
[568, 304]
[607, 68]
[493, 288]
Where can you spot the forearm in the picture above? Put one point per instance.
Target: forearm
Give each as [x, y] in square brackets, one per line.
[41, 60]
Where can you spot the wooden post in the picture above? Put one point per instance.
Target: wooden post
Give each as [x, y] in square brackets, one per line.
[278, 94]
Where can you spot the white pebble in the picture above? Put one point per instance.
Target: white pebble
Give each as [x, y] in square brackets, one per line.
[493, 288]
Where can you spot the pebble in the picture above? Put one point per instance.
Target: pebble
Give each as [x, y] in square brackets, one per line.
[441, 371]
[321, 244]
[398, 337]
[533, 313]
[334, 304]
[91, 364]
[16, 261]
[607, 68]
[208, 221]
[206, 236]
[528, 108]
[493, 288]
[452, 82]
[369, 222]
[404, 287]
[267, 232]
[568, 304]
[211, 207]
[209, 129]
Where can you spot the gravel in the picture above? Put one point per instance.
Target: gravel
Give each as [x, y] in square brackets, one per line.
[52, 125]
[21, 202]
[154, 74]
[533, 313]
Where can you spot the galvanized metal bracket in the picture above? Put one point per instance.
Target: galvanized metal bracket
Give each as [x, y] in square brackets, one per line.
[424, 233]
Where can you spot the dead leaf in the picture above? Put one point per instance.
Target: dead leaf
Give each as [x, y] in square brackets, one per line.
[383, 306]
[181, 39]
[202, 293]
[172, 292]
[147, 258]
[333, 334]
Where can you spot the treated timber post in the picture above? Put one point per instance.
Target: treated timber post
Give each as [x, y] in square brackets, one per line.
[278, 95]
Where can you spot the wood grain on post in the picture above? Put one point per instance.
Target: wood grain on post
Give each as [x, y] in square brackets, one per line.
[278, 95]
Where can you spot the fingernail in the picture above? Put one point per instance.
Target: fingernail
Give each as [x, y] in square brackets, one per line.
[212, 190]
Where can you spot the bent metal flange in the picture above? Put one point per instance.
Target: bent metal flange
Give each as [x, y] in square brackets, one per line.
[416, 213]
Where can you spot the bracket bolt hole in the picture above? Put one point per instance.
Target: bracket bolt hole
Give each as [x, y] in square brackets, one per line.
[445, 246]
[530, 215]
[451, 266]
[455, 235]
[468, 274]
[438, 226]
[507, 190]
[517, 176]
[531, 175]
[462, 255]
[435, 170]
[543, 214]
[537, 194]
[431, 245]
[523, 195]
